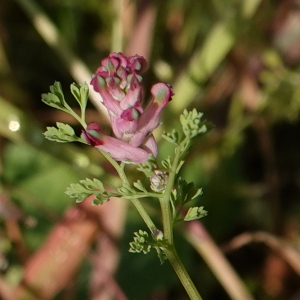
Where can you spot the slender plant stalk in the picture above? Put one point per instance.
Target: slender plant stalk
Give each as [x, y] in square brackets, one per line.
[165, 201]
[147, 219]
[138, 205]
[182, 273]
[167, 219]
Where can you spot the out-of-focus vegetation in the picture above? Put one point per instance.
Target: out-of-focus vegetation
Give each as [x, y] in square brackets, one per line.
[238, 61]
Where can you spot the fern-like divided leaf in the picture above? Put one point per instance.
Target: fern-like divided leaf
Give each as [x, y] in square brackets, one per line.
[171, 137]
[138, 185]
[140, 243]
[195, 213]
[64, 133]
[56, 97]
[192, 124]
[86, 188]
[186, 191]
[80, 93]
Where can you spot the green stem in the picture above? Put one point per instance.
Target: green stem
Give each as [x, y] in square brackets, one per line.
[144, 214]
[167, 220]
[120, 169]
[182, 273]
[83, 109]
[117, 167]
[80, 120]
[143, 195]
[68, 109]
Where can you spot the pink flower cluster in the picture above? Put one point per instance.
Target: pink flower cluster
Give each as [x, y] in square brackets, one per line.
[118, 81]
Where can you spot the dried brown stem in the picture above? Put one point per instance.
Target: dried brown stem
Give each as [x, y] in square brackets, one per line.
[285, 250]
[200, 239]
[141, 39]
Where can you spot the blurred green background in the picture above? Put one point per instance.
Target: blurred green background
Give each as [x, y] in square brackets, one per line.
[238, 61]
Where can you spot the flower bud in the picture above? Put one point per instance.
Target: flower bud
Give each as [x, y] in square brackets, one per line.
[158, 181]
[157, 234]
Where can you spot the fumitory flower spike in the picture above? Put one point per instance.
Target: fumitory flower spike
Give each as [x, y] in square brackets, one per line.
[119, 82]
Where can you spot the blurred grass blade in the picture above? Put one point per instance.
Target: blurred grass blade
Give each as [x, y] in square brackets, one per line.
[249, 7]
[52, 37]
[218, 43]
[206, 59]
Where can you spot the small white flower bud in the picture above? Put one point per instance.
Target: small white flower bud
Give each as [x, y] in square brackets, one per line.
[158, 181]
[157, 234]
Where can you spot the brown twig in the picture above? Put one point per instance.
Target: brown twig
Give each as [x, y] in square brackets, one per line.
[141, 39]
[200, 239]
[286, 251]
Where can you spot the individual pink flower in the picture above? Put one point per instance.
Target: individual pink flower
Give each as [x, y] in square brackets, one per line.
[118, 81]
[117, 149]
